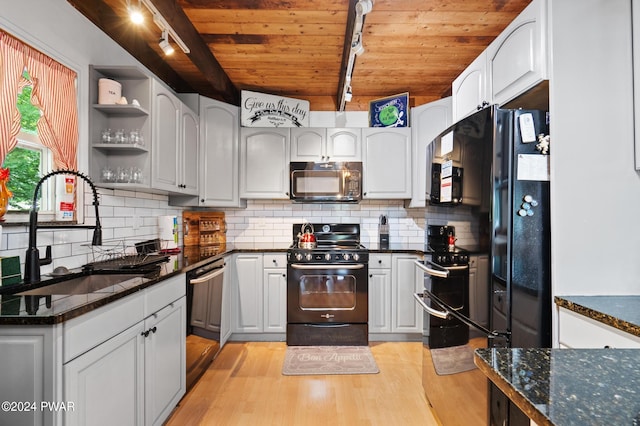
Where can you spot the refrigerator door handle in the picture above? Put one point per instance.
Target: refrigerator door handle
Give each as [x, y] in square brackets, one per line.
[432, 269]
[420, 299]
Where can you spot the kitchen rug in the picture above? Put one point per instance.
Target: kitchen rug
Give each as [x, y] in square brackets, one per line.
[319, 360]
[455, 359]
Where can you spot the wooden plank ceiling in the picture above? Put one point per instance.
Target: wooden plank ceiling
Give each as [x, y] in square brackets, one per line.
[295, 48]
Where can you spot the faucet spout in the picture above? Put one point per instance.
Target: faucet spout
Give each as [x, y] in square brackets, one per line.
[33, 260]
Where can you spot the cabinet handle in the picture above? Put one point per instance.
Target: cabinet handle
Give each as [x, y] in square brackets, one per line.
[145, 333]
[154, 329]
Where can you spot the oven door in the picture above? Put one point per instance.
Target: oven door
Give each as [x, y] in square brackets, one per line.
[327, 293]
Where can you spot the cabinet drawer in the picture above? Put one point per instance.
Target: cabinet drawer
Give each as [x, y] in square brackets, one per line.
[379, 261]
[274, 260]
[161, 294]
[88, 331]
[578, 331]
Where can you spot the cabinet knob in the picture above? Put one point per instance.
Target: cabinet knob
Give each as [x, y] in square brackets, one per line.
[380, 261]
[284, 275]
[154, 329]
[370, 275]
[286, 193]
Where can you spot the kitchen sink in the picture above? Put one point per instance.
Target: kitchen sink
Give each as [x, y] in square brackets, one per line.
[81, 285]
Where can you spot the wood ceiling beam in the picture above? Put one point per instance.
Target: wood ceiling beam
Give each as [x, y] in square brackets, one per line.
[105, 18]
[200, 54]
[346, 49]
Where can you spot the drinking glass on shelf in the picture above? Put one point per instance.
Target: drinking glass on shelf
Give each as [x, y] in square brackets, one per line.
[135, 175]
[106, 136]
[134, 136]
[122, 174]
[118, 136]
[107, 174]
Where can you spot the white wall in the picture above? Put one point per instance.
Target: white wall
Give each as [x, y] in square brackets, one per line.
[594, 187]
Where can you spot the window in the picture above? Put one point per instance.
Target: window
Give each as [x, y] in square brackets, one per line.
[38, 124]
[29, 160]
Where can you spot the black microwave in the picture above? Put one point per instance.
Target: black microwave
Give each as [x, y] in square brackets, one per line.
[330, 182]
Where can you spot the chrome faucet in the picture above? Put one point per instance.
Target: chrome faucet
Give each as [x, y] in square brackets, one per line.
[32, 260]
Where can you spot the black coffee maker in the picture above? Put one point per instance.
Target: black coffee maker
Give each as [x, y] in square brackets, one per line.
[441, 237]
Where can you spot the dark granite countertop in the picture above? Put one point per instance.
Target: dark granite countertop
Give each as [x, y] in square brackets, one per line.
[568, 387]
[64, 307]
[621, 312]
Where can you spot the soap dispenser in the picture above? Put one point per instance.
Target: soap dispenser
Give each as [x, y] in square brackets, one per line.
[383, 232]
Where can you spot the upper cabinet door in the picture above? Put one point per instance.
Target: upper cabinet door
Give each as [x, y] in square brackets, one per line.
[469, 89]
[427, 122]
[308, 144]
[387, 163]
[344, 144]
[165, 151]
[190, 151]
[517, 58]
[264, 163]
[220, 158]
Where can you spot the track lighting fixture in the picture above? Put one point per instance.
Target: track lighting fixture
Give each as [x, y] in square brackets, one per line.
[164, 43]
[364, 6]
[161, 22]
[135, 12]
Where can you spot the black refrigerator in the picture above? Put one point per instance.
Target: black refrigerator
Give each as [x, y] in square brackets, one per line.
[497, 167]
[520, 241]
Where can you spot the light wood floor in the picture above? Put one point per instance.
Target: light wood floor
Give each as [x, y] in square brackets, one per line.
[245, 386]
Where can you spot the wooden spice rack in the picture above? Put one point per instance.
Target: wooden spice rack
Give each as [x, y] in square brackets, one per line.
[204, 228]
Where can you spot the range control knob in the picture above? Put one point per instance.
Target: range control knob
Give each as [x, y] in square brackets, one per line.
[356, 257]
[327, 256]
[298, 257]
[345, 256]
[308, 257]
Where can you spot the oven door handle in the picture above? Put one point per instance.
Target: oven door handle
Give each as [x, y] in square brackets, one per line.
[440, 314]
[207, 277]
[432, 269]
[323, 266]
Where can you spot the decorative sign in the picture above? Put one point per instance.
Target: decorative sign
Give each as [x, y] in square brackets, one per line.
[263, 110]
[390, 112]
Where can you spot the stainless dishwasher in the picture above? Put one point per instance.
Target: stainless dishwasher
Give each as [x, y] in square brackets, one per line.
[205, 290]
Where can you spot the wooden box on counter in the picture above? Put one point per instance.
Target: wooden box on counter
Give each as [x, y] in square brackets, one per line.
[204, 228]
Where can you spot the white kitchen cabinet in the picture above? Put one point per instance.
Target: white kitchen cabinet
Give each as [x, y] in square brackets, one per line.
[220, 161]
[427, 122]
[29, 373]
[471, 90]
[164, 361]
[175, 144]
[407, 279]
[386, 163]
[275, 293]
[579, 331]
[260, 295]
[393, 278]
[111, 162]
[379, 293]
[479, 289]
[248, 293]
[136, 376]
[107, 383]
[517, 58]
[264, 163]
[325, 144]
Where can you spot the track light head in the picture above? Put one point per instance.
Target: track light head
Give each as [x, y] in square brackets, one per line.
[135, 13]
[165, 45]
[363, 7]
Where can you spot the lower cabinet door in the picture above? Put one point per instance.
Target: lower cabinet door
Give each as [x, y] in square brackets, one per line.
[106, 384]
[164, 357]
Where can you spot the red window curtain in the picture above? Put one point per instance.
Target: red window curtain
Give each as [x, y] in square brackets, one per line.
[12, 65]
[54, 93]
